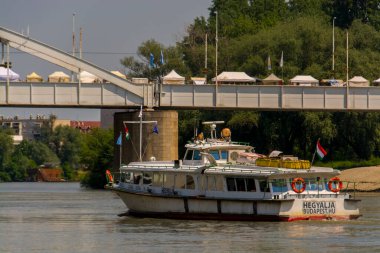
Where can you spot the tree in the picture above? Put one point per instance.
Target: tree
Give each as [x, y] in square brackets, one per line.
[97, 155]
[6, 150]
[37, 151]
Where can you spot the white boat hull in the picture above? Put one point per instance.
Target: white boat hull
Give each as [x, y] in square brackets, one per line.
[181, 207]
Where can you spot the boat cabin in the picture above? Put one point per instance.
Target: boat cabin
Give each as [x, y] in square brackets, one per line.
[241, 182]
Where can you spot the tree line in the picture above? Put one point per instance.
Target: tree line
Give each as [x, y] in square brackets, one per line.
[62, 146]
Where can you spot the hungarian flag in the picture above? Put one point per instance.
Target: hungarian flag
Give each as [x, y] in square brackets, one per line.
[126, 133]
[321, 152]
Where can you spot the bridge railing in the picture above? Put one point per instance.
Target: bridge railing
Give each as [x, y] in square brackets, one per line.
[74, 94]
[267, 97]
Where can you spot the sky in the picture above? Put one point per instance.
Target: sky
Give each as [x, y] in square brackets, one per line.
[112, 29]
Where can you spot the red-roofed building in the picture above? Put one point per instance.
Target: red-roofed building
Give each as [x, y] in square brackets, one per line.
[84, 126]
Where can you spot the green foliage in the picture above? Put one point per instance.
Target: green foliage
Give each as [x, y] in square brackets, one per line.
[37, 151]
[66, 143]
[6, 148]
[97, 153]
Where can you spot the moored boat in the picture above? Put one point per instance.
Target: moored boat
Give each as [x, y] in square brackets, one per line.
[211, 182]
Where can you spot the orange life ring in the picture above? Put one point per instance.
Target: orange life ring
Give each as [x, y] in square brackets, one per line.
[298, 181]
[109, 176]
[338, 184]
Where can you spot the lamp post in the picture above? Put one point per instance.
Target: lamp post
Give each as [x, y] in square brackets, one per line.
[333, 47]
[216, 58]
[73, 46]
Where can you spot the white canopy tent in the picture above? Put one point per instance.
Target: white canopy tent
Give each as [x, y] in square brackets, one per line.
[34, 77]
[302, 80]
[198, 80]
[119, 74]
[58, 77]
[376, 82]
[6, 74]
[86, 77]
[272, 79]
[234, 77]
[173, 78]
[358, 81]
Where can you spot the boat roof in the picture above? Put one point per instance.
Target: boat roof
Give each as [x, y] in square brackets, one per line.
[217, 145]
[232, 170]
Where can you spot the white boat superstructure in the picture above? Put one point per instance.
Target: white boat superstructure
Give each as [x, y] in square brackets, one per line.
[211, 183]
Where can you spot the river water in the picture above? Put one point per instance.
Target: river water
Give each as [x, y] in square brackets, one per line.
[62, 217]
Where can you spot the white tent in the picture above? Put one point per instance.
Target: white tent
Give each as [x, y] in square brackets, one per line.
[173, 78]
[304, 81]
[58, 77]
[234, 77]
[376, 82]
[358, 81]
[34, 77]
[119, 74]
[198, 80]
[86, 77]
[6, 73]
[272, 79]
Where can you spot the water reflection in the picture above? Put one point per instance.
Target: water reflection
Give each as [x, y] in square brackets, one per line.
[66, 218]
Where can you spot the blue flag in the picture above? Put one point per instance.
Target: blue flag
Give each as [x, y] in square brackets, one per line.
[118, 142]
[155, 129]
[151, 61]
[162, 58]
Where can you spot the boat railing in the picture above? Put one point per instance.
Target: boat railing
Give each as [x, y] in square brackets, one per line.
[161, 167]
[255, 170]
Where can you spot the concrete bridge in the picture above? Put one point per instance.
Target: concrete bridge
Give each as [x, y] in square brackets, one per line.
[117, 92]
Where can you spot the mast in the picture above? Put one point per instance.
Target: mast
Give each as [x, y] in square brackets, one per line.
[140, 116]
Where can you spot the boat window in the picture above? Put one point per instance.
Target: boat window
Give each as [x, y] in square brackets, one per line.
[215, 154]
[224, 154]
[197, 155]
[128, 177]
[137, 176]
[147, 179]
[157, 179]
[313, 185]
[180, 181]
[231, 184]
[189, 155]
[264, 187]
[240, 184]
[326, 183]
[279, 185]
[251, 186]
[168, 180]
[211, 183]
[190, 182]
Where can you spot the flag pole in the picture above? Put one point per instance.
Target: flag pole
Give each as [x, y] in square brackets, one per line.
[312, 161]
[121, 151]
[140, 131]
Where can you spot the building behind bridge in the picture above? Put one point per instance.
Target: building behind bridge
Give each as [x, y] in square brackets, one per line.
[30, 129]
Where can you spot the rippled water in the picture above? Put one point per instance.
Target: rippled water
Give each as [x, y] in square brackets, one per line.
[62, 217]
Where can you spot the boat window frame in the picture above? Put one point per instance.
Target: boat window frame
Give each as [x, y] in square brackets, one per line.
[192, 183]
[260, 183]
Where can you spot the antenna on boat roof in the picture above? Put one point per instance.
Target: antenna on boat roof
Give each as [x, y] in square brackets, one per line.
[213, 127]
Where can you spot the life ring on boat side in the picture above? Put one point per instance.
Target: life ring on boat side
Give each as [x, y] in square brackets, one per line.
[109, 176]
[298, 181]
[338, 184]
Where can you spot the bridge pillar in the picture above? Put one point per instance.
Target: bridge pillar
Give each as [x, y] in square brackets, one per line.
[163, 146]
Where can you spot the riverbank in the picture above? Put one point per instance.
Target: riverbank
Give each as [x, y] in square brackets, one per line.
[365, 178]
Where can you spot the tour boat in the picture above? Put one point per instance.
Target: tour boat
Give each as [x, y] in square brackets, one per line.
[222, 180]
